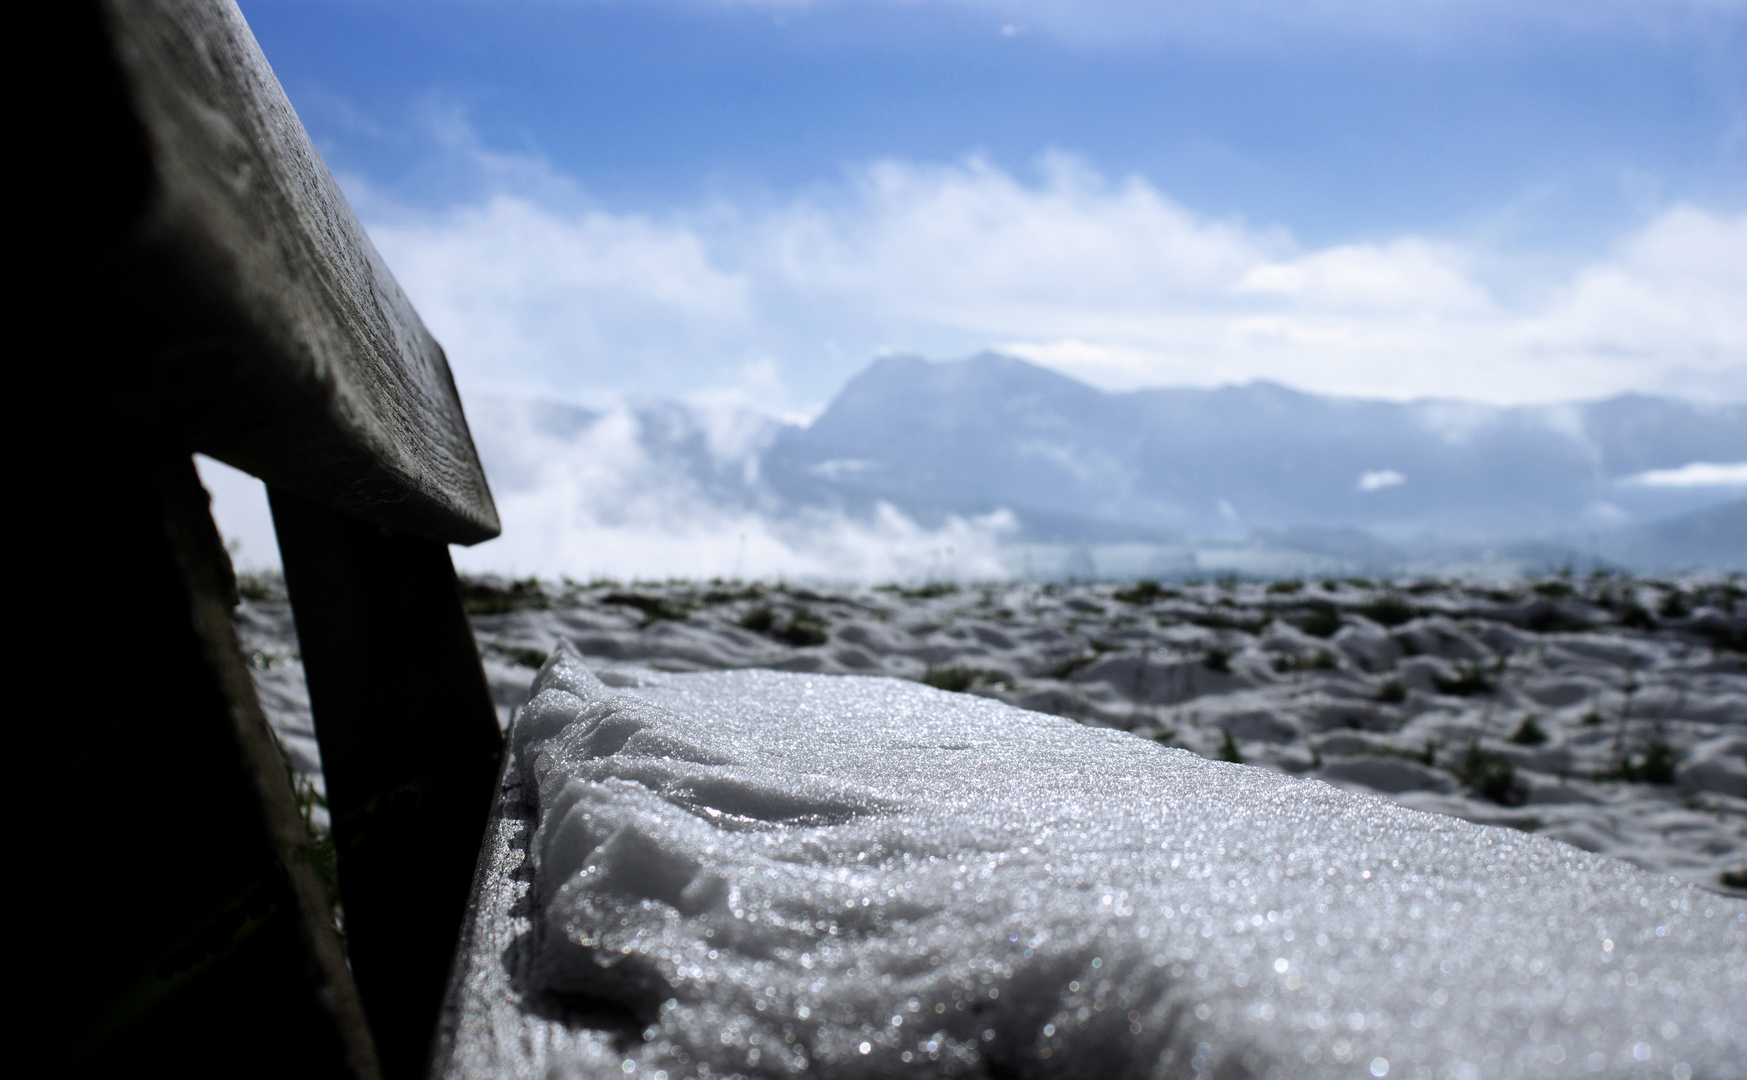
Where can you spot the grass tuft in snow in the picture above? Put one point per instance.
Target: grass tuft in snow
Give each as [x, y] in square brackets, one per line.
[1388, 610]
[1655, 767]
[519, 655]
[1144, 591]
[1224, 620]
[1675, 604]
[1635, 617]
[758, 619]
[954, 677]
[1470, 679]
[961, 677]
[727, 592]
[1321, 619]
[491, 596]
[926, 592]
[1528, 733]
[323, 856]
[260, 587]
[803, 627]
[1488, 775]
[1228, 749]
[654, 607]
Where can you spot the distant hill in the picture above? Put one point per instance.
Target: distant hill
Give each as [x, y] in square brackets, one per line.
[1372, 483]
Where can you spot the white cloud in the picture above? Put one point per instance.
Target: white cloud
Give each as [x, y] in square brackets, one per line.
[525, 296]
[596, 503]
[1380, 479]
[1679, 280]
[1113, 282]
[1407, 276]
[964, 245]
[1696, 474]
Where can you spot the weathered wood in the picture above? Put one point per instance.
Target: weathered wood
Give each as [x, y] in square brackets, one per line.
[248, 314]
[175, 920]
[410, 749]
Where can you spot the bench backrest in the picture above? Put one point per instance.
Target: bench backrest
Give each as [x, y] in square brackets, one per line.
[273, 336]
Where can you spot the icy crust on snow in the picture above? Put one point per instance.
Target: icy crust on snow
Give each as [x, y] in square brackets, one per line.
[852, 876]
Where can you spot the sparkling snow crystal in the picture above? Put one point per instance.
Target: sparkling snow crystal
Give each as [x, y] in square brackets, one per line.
[841, 876]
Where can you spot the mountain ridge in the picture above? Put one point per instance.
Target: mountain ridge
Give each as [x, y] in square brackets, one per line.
[993, 430]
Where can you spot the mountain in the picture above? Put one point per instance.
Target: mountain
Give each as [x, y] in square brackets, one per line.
[993, 431]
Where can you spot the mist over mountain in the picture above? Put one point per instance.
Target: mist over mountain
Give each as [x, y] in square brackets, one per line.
[1044, 460]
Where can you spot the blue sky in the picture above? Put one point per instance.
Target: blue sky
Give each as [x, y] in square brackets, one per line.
[1505, 201]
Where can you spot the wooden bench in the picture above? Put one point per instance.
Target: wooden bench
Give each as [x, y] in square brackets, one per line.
[199, 284]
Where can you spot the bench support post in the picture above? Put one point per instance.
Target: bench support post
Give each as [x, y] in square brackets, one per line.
[410, 745]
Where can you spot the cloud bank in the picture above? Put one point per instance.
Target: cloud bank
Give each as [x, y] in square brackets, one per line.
[611, 499]
[598, 505]
[1111, 281]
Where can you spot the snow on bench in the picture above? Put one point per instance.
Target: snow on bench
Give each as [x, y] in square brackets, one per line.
[778, 874]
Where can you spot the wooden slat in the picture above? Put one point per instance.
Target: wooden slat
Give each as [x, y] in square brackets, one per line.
[253, 319]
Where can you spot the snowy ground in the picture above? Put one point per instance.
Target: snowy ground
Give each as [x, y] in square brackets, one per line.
[1610, 714]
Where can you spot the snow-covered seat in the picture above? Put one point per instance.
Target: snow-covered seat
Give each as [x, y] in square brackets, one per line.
[774, 874]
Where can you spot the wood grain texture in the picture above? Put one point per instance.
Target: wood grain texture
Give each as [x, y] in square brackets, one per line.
[245, 309]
